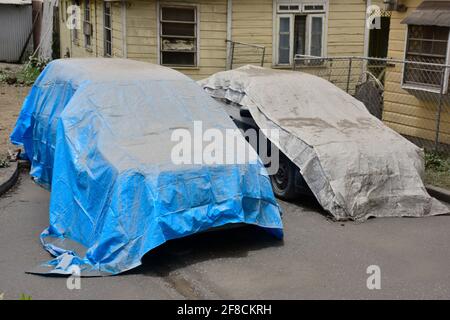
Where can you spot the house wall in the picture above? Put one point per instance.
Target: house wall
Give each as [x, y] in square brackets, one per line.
[252, 22]
[345, 36]
[142, 30]
[407, 113]
[78, 48]
[346, 21]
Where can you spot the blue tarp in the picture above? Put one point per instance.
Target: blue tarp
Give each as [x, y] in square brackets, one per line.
[98, 134]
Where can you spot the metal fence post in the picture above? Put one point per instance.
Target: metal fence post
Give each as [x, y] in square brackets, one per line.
[232, 55]
[349, 73]
[439, 109]
[263, 56]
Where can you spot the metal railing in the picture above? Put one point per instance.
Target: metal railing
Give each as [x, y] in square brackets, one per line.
[241, 53]
[412, 97]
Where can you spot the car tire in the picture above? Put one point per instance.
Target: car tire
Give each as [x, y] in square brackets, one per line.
[283, 182]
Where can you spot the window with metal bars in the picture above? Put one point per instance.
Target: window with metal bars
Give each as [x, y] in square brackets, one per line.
[76, 20]
[87, 26]
[107, 23]
[426, 44]
[178, 36]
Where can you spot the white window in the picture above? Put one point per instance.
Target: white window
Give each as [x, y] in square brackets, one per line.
[74, 14]
[311, 7]
[300, 33]
[284, 39]
[107, 29]
[427, 44]
[87, 26]
[284, 8]
[178, 37]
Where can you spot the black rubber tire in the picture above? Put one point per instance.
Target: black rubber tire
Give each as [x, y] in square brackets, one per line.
[283, 182]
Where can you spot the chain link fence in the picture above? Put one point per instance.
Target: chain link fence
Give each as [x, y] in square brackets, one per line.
[411, 97]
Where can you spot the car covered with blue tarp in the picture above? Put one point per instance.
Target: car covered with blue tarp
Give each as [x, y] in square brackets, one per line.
[99, 134]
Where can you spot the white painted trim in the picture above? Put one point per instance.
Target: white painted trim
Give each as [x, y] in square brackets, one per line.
[325, 30]
[366, 30]
[274, 34]
[405, 45]
[104, 29]
[309, 33]
[291, 38]
[279, 11]
[124, 29]
[158, 32]
[229, 32]
[312, 4]
[309, 15]
[447, 70]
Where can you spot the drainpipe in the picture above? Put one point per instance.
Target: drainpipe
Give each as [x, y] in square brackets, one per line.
[229, 32]
[367, 30]
[366, 35]
[124, 29]
[96, 33]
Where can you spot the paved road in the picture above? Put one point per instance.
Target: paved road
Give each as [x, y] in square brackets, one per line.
[318, 259]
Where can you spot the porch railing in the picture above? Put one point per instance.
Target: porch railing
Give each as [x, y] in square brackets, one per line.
[241, 53]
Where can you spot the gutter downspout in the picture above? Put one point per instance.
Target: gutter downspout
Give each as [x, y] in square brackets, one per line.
[366, 35]
[96, 27]
[367, 30]
[229, 32]
[124, 30]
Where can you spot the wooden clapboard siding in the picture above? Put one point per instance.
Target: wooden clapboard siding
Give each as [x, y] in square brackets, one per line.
[64, 33]
[142, 40]
[78, 48]
[252, 22]
[408, 113]
[117, 32]
[142, 30]
[346, 24]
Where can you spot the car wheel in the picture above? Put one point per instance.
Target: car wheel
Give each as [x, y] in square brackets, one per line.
[283, 182]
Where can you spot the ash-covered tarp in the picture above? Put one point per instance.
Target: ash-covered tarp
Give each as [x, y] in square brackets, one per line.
[98, 132]
[355, 165]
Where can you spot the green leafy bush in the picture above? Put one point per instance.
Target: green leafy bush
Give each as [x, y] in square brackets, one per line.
[437, 162]
[437, 169]
[31, 71]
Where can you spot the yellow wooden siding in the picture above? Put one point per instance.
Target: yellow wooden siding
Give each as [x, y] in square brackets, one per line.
[142, 40]
[78, 48]
[64, 33]
[252, 22]
[142, 30]
[409, 114]
[117, 35]
[346, 23]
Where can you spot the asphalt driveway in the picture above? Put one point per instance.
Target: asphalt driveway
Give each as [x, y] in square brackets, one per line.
[318, 258]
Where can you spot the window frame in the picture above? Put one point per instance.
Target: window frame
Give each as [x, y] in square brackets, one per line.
[291, 38]
[110, 28]
[87, 9]
[309, 18]
[196, 37]
[289, 10]
[425, 87]
[312, 11]
[75, 34]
